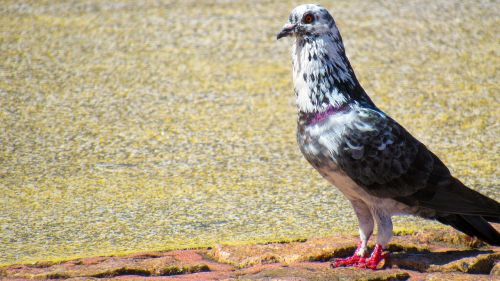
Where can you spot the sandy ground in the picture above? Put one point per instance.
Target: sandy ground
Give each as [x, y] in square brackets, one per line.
[130, 126]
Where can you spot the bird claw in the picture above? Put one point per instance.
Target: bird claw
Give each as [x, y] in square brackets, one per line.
[376, 260]
[346, 262]
[354, 260]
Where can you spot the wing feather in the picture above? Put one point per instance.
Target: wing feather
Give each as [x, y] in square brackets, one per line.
[380, 155]
[387, 161]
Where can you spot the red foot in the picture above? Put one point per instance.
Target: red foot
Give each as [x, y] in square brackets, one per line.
[350, 261]
[375, 259]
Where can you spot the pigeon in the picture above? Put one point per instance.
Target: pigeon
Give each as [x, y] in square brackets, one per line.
[376, 163]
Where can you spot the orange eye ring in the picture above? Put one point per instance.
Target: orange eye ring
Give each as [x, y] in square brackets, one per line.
[308, 18]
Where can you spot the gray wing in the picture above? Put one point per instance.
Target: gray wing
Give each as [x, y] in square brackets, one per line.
[387, 161]
[381, 156]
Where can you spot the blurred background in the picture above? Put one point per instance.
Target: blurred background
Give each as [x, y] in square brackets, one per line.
[145, 125]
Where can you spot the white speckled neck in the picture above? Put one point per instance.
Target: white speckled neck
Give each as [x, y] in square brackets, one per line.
[321, 72]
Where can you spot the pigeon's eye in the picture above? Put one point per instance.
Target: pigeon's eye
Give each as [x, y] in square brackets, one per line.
[308, 18]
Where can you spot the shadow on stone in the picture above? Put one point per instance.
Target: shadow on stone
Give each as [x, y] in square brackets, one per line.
[470, 261]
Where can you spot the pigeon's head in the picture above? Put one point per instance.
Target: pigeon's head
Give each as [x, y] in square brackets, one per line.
[308, 20]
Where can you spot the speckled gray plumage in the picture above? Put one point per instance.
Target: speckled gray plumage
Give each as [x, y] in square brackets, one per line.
[381, 155]
[380, 167]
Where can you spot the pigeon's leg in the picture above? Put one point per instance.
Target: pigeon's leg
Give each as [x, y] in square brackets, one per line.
[384, 234]
[365, 220]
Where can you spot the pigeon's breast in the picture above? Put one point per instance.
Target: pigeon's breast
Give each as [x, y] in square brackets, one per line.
[319, 142]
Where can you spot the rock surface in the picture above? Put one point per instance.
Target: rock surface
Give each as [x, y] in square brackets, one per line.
[420, 256]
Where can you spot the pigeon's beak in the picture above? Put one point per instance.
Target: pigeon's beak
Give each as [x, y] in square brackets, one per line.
[287, 30]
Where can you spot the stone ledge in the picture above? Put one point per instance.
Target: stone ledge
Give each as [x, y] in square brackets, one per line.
[417, 256]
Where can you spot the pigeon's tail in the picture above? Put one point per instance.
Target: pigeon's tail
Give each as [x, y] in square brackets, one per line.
[467, 210]
[473, 226]
[459, 206]
[453, 197]
[492, 219]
